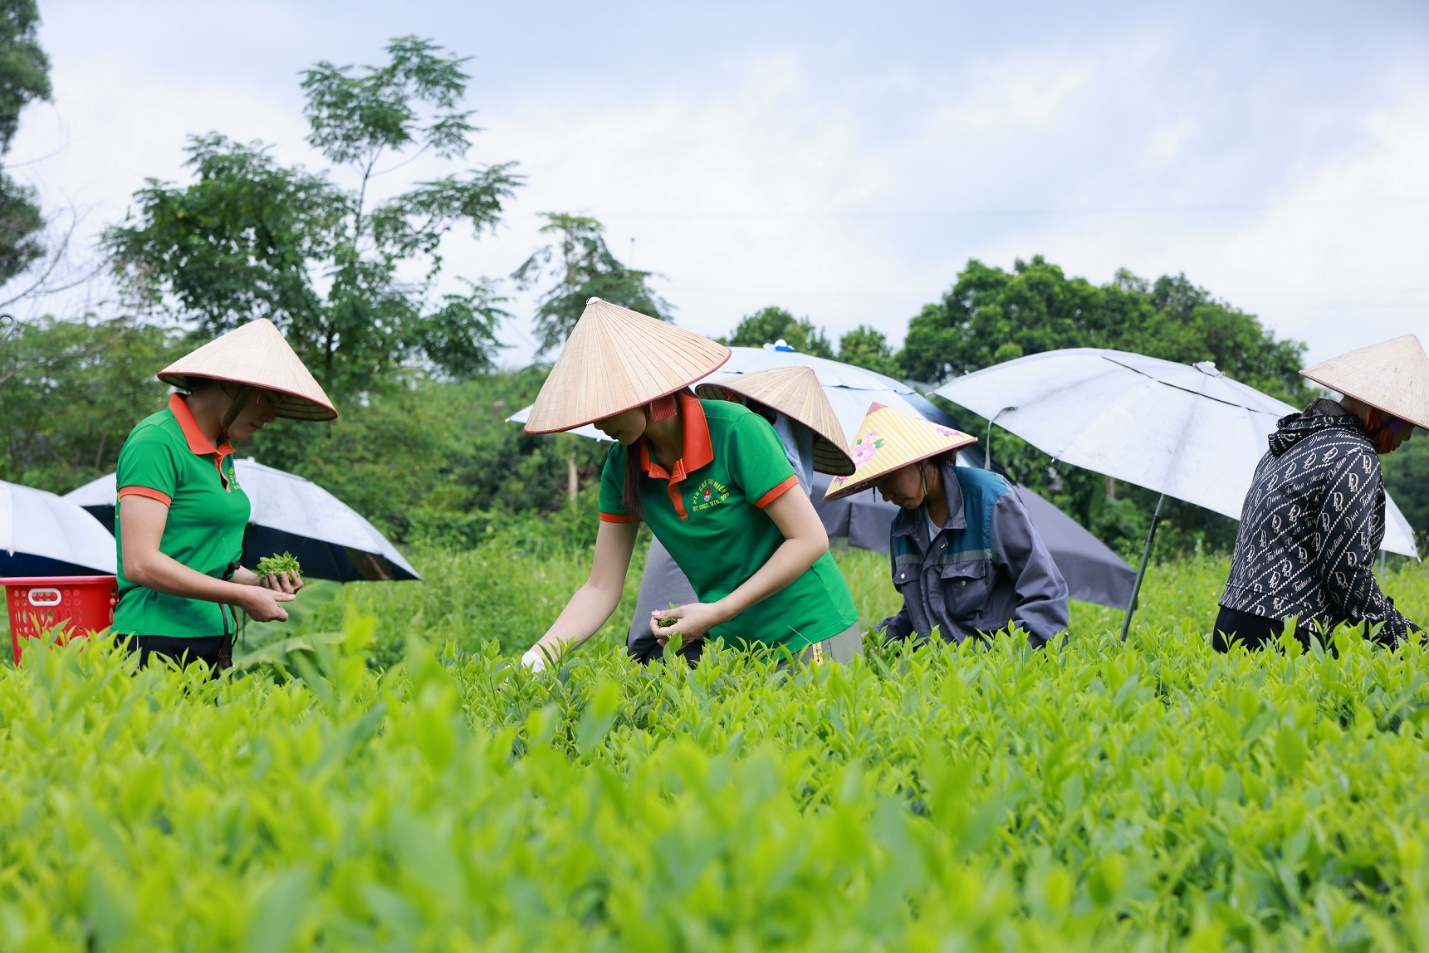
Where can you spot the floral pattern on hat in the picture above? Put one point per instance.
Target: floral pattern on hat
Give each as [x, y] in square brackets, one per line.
[864, 448]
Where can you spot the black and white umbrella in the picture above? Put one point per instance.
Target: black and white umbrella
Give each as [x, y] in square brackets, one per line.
[290, 514]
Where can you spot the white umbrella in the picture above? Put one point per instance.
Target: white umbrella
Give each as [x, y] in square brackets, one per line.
[42, 534]
[850, 389]
[1185, 431]
[290, 514]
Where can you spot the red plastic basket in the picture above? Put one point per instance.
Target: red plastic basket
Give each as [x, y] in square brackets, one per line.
[82, 604]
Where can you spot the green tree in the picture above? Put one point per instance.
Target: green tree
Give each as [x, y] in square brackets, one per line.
[991, 315]
[579, 265]
[351, 281]
[1406, 477]
[24, 78]
[72, 392]
[438, 460]
[773, 324]
[865, 346]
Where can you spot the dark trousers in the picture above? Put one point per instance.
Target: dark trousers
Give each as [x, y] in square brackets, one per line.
[1254, 631]
[215, 651]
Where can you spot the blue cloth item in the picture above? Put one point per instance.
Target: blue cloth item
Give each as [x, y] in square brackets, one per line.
[798, 442]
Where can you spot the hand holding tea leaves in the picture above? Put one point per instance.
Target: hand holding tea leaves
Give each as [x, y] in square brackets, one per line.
[280, 573]
[684, 624]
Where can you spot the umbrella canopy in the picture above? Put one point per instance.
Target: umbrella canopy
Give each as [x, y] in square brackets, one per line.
[1093, 572]
[290, 514]
[850, 389]
[1186, 431]
[42, 534]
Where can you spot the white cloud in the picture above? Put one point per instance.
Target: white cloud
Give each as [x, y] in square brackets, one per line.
[851, 188]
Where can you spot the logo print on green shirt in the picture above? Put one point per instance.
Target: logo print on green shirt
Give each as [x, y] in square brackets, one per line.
[708, 495]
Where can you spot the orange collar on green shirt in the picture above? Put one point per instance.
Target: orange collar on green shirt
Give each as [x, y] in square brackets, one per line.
[199, 441]
[696, 452]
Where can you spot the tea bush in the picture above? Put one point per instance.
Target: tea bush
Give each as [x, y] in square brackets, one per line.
[1103, 795]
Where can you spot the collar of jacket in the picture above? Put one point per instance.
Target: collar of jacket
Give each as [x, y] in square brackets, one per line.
[910, 520]
[1322, 415]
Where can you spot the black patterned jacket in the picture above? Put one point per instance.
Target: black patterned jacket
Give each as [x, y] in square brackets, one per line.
[1311, 527]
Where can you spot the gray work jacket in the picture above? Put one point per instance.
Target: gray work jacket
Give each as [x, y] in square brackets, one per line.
[985, 568]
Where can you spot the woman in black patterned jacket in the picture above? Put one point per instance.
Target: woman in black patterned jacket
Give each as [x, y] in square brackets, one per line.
[1314, 517]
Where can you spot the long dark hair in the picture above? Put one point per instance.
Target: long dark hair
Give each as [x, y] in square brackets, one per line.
[633, 496]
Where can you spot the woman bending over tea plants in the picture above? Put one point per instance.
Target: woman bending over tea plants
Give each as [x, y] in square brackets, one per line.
[181, 514]
[1314, 517]
[794, 402]
[713, 483]
[965, 554]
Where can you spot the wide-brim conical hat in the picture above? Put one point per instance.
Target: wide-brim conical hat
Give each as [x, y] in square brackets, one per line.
[616, 360]
[797, 393]
[1392, 376]
[257, 355]
[889, 440]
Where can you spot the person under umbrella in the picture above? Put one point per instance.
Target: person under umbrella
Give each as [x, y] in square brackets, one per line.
[1314, 516]
[794, 403]
[964, 552]
[181, 513]
[712, 481]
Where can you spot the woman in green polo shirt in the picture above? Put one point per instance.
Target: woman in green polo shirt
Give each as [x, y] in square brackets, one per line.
[712, 481]
[181, 514]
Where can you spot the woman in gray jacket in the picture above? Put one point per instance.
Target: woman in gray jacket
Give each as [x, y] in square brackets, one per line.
[965, 555]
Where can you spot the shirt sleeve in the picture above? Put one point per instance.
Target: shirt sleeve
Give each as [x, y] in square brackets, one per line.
[612, 487]
[1351, 529]
[900, 624]
[1041, 609]
[758, 463]
[147, 466]
[897, 626]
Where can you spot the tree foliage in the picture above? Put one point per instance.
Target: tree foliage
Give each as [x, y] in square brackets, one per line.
[24, 78]
[991, 315]
[579, 265]
[333, 268]
[72, 392]
[865, 346]
[773, 324]
[1406, 477]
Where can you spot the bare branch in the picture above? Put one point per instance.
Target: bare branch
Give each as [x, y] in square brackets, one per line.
[43, 280]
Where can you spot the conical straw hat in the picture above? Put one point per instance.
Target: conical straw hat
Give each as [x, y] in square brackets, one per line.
[616, 360]
[797, 393]
[256, 354]
[889, 440]
[1392, 376]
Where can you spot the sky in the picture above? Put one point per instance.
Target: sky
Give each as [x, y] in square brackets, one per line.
[840, 160]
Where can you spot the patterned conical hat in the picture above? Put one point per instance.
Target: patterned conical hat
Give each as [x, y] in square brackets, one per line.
[256, 354]
[797, 393]
[1392, 376]
[616, 360]
[888, 440]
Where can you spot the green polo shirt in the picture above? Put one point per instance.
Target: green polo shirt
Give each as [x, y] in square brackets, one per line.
[708, 511]
[169, 459]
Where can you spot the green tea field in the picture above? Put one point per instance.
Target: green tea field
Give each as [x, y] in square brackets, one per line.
[400, 785]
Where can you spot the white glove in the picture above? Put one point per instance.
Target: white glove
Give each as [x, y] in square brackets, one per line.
[534, 659]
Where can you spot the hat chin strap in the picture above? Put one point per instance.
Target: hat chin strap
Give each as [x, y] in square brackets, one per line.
[233, 411]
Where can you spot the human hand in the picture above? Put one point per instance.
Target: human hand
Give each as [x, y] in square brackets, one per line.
[263, 604]
[289, 582]
[535, 658]
[689, 622]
